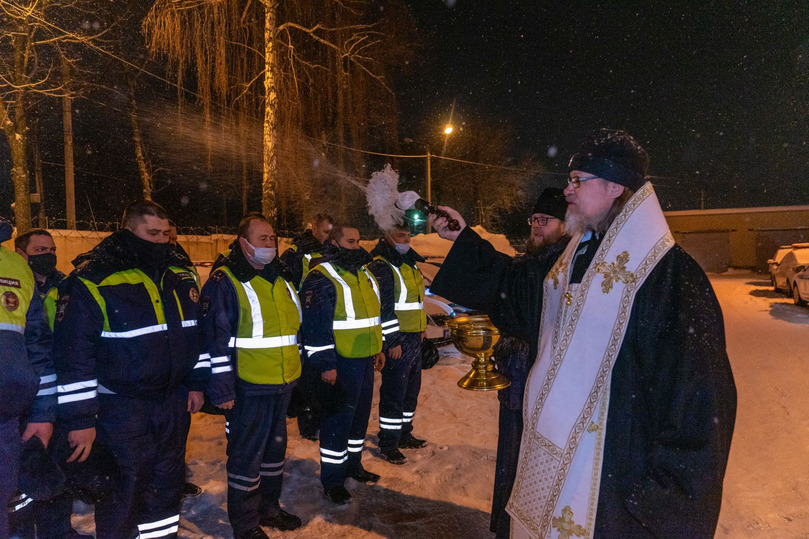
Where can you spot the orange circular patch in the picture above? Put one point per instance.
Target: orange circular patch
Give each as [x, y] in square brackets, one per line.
[194, 295]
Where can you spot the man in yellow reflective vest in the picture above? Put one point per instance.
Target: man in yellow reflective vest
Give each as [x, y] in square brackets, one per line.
[50, 517]
[27, 379]
[251, 320]
[403, 324]
[126, 349]
[342, 335]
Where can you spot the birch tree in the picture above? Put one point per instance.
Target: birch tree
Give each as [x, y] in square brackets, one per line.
[297, 65]
[34, 39]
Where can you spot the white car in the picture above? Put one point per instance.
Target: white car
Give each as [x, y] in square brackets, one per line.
[775, 261]
[793, 262]
[800, 287]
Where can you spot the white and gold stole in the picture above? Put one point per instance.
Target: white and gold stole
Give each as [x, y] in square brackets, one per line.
[565, 406]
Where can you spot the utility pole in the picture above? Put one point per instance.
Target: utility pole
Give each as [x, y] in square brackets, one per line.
[429, 189]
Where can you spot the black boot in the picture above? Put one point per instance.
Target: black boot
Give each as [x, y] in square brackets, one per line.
[253, 533]
[282, 521]
[394, 456]
[408, 441]
[364, 476]
[338, 495]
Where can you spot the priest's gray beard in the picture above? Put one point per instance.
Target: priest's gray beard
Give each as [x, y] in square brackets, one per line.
[575, 222]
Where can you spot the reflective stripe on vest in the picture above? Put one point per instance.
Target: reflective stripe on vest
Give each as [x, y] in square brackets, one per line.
[49, 300]
[353, 336]
[137, 277]
[266, 338]
[411, 315]
[306, 265]
[17, 288]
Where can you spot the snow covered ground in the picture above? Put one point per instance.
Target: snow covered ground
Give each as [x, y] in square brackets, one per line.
[444, 491]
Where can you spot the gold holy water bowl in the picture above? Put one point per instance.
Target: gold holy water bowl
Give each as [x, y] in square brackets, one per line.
[475, 336]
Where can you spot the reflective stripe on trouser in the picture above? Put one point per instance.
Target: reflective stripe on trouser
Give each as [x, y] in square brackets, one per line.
[147, 439]
[399, 392]
[21, 516]
[10, 446]
[346, 408]
[257, 445]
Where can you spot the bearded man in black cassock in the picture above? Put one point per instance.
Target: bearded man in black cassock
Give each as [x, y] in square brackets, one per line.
[630, 405]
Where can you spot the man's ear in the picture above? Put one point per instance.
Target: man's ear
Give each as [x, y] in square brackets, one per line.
[614, 190]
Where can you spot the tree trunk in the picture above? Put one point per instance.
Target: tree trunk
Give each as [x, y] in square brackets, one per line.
[67, 128]
[140, 154]
[35, 142]
[19, 175]
[19, 166]
[269, 177]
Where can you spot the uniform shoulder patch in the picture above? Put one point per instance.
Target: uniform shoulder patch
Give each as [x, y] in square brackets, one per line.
[217, 275]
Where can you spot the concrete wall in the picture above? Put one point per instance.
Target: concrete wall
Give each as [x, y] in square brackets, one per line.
[752, 234]
[71, 243]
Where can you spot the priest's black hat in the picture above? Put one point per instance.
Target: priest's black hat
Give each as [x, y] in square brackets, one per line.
[614, 155]
[551, 202]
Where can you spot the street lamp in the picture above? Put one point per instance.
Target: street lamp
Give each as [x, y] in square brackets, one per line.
[448, 129]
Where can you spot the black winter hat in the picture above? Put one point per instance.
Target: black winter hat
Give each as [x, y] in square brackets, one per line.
[614, 155]
[551, 202]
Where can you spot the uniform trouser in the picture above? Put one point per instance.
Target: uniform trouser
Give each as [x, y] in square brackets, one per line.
[147, 440]
[10, 447]
[399, 393]
[257, 445]
[347, 407]
[310, 409]
[508, 453]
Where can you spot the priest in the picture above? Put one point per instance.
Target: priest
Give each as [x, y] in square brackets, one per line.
[630, 405]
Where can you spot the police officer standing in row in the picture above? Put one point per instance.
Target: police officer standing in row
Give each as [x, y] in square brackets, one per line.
[402, 290]
[342, 334]
[304, 253]
[51, 517]
[251, 320]
[27, 379]
[307, 247]
[129, 368]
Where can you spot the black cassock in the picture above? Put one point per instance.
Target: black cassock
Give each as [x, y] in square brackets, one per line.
[672, 396]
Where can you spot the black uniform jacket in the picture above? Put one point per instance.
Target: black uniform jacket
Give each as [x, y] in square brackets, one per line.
[138, 363]
[672, 397]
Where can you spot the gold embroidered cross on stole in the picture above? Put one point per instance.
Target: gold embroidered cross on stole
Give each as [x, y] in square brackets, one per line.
[565, 525]
[615, 271]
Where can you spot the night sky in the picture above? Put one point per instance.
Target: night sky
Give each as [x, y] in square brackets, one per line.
[717, 92]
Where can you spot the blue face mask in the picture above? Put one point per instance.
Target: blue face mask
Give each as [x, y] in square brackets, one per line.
[402, 248]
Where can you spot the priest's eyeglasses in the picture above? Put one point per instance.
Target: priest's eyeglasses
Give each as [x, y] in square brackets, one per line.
[576, 181]
[541, 221]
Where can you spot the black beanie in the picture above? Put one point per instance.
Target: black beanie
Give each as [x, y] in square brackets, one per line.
[613, 155]
[551, 202]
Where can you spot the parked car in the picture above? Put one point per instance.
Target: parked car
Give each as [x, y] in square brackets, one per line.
[800, 287]
[795, 261]
[775, 261]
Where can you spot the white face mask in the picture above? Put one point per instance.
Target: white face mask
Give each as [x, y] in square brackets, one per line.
[402, 248]
[262, 255]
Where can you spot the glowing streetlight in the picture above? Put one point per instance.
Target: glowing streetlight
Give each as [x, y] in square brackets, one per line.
[448, 129]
